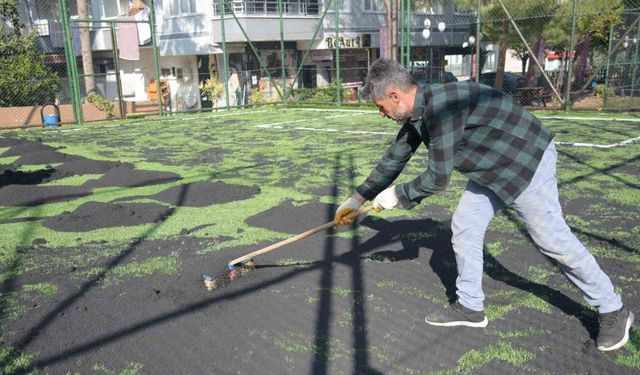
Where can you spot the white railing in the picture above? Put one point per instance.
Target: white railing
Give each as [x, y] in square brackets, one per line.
[269, 7]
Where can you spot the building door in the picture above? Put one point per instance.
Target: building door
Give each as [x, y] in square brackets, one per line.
[202, 63]
[309, 79]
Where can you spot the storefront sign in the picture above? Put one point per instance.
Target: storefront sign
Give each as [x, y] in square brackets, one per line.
[346, 41]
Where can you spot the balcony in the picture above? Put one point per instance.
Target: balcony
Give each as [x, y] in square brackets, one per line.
[268, 8]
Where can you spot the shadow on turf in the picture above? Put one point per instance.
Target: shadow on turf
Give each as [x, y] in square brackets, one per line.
[21, 344]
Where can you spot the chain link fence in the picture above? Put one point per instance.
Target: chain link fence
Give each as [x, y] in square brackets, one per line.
[122, 59]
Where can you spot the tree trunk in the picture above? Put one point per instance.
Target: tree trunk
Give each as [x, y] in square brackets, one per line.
[392, 27]
[502, 58]
[85, 45]
[532, 71]
[580, 65]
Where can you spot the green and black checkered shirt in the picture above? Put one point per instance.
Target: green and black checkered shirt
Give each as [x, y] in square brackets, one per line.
[473, 128]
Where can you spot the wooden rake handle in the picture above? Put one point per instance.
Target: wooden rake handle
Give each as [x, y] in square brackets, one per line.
[277, 245]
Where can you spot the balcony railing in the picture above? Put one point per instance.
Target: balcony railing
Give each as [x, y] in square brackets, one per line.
[269, 7]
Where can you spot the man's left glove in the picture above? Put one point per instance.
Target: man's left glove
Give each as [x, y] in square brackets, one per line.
[387, 199]
[345, 209]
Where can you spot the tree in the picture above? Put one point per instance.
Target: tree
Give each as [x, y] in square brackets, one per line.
[594, 19]
[9, 13]
[85, 45]
[391, 7]
[25, 79]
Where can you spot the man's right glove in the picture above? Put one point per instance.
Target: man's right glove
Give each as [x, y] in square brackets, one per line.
[387, 199]
[345, 209]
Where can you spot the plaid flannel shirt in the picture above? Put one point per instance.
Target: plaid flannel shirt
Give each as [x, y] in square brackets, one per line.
[473, 128]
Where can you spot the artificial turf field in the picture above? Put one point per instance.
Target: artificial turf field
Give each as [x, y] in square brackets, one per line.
[106, 231]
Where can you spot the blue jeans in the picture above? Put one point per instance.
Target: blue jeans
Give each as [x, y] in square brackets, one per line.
[539, 208]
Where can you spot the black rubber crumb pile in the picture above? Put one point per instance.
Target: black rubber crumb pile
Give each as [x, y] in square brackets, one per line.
[200, 194]
[288, 218]
[126, 176]
[95, 215]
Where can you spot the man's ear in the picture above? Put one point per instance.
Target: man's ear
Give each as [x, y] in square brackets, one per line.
[393, 95]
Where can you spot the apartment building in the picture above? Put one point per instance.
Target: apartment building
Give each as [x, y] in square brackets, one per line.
[190, 35]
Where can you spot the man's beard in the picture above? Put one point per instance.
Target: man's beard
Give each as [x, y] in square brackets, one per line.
[400, 116]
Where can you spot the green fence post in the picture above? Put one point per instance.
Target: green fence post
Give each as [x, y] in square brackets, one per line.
[116, 62]
[401, 23]
[572, 47]
[635, 68]
[224, 55]
[282, 61]
[313, 39]
[256, 54]
[156, 57]
[478, 41]
[408, 54]
[72, 67]
[605, 102]
[337, 44]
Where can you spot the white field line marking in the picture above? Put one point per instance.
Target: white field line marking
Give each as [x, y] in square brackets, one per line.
[279, 126]
[612, 145]
[611, 119]
[332, 110]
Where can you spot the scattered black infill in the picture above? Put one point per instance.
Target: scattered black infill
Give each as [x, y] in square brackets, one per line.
[10, 142]
[96, 215]
[12, 177]
[35, 195]
[45, 157]
[125, 176]
[21, 148]
[86, 166]
[200, 194]
[288, 218]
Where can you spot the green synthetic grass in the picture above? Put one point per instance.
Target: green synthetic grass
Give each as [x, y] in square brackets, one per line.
[157, 265]
[474, 359]
[131, 369]
[13, 361]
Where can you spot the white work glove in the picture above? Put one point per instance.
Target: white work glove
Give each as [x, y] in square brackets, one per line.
[387, 199]
[345, 209]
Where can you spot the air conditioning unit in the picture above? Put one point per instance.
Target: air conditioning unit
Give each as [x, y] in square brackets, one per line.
[42, 27]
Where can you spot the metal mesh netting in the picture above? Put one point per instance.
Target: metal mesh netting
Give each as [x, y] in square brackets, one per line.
[121, 59]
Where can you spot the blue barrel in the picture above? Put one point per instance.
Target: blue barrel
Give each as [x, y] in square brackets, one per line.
[50, 120]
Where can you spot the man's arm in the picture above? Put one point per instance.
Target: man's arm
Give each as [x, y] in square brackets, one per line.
[445, 134]
[392, 163]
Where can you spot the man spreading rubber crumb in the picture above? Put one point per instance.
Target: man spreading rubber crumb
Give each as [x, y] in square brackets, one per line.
[509, 158]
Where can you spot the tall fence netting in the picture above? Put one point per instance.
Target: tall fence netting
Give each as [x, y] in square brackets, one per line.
[135, 58]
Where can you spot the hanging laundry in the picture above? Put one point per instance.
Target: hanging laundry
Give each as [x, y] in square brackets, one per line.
[144, 30]
[128, 39]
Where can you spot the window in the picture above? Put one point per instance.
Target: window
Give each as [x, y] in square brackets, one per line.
[373, 6]
[104, 9]
[178, 7]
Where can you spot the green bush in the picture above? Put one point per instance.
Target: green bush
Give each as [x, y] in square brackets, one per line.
[600, 90]
[323, 94]
[256, 97]
[213, 89]
[103, 104]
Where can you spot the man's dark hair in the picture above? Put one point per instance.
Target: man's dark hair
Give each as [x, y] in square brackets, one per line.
[385, 75]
